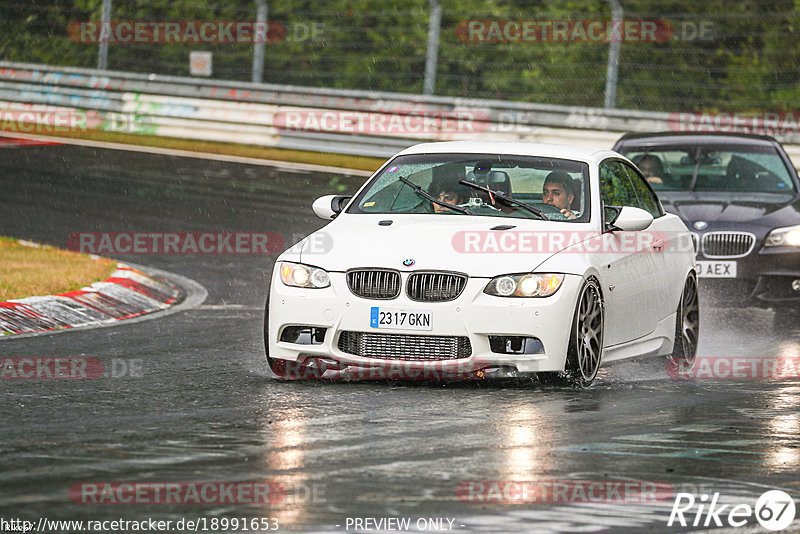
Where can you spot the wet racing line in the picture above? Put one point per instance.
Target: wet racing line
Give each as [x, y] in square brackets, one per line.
[204, 408]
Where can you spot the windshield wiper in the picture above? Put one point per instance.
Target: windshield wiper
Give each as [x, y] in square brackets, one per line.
[421, 192]
[502, 196]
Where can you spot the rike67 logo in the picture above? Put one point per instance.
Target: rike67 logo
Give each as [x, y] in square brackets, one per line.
[774, 510]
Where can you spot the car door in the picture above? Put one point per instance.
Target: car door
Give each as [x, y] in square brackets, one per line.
[667, 279]
[630, 269]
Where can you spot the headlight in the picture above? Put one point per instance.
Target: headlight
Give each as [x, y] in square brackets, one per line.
[524, 285]
[297, 275]
[784, 237]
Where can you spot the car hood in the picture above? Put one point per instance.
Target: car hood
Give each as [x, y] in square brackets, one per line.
[437, 242]
[720, 207]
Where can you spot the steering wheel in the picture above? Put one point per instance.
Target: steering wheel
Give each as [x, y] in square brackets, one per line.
[554, 213]
[549, 209]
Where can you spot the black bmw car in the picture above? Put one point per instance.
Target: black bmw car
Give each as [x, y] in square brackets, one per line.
[741, 195]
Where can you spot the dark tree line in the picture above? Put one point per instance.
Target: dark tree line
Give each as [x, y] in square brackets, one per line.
[743, 55]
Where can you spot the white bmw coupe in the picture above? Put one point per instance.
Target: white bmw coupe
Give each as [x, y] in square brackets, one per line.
[466, 259]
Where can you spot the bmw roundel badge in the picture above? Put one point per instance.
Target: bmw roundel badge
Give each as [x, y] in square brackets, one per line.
[409, 262]
[700, 225]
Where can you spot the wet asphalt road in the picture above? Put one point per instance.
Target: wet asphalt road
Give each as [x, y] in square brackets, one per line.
[206, 408]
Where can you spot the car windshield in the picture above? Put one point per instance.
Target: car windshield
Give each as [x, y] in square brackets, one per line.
[716, 167]
[410, 183]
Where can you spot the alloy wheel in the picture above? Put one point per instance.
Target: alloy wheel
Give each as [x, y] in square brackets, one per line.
[688, 322]
[586, 347]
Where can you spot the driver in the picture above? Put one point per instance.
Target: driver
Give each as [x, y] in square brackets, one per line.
[652, 169]
[558, 192]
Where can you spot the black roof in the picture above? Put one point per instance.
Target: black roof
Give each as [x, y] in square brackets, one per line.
[697, 137]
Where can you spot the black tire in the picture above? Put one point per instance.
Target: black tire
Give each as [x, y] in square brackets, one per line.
[585, 350]
[687, 323]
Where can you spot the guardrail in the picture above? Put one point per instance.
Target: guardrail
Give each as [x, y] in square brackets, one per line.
[303, 118]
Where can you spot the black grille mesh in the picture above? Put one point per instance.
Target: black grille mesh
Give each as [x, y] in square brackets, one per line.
[404, 347]
[722, 245]
[435, 287]
[374, 283]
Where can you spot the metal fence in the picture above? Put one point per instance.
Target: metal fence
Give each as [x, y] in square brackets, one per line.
[640, 55]
[44, 99]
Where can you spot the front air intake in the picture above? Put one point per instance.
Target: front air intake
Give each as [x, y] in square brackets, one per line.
[404, 346]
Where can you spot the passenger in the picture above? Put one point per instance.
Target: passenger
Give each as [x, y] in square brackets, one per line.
[652, 169]
[447, 191]
[558, 192]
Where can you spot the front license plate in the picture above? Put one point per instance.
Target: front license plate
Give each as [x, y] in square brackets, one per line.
[716, 269]
[400, 319]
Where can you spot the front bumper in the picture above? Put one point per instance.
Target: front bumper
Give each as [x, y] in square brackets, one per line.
[763, 278]
[473, 314]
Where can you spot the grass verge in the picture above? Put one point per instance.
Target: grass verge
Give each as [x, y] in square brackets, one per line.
[27, 271]
[363, 163]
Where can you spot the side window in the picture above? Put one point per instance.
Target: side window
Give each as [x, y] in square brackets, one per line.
[615, 186]
[647, 199]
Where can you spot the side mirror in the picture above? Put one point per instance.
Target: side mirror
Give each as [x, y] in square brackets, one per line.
[631, 219]
[329, 206]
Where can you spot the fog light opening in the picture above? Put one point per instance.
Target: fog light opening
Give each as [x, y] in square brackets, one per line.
[515, 345]
[303, 335]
